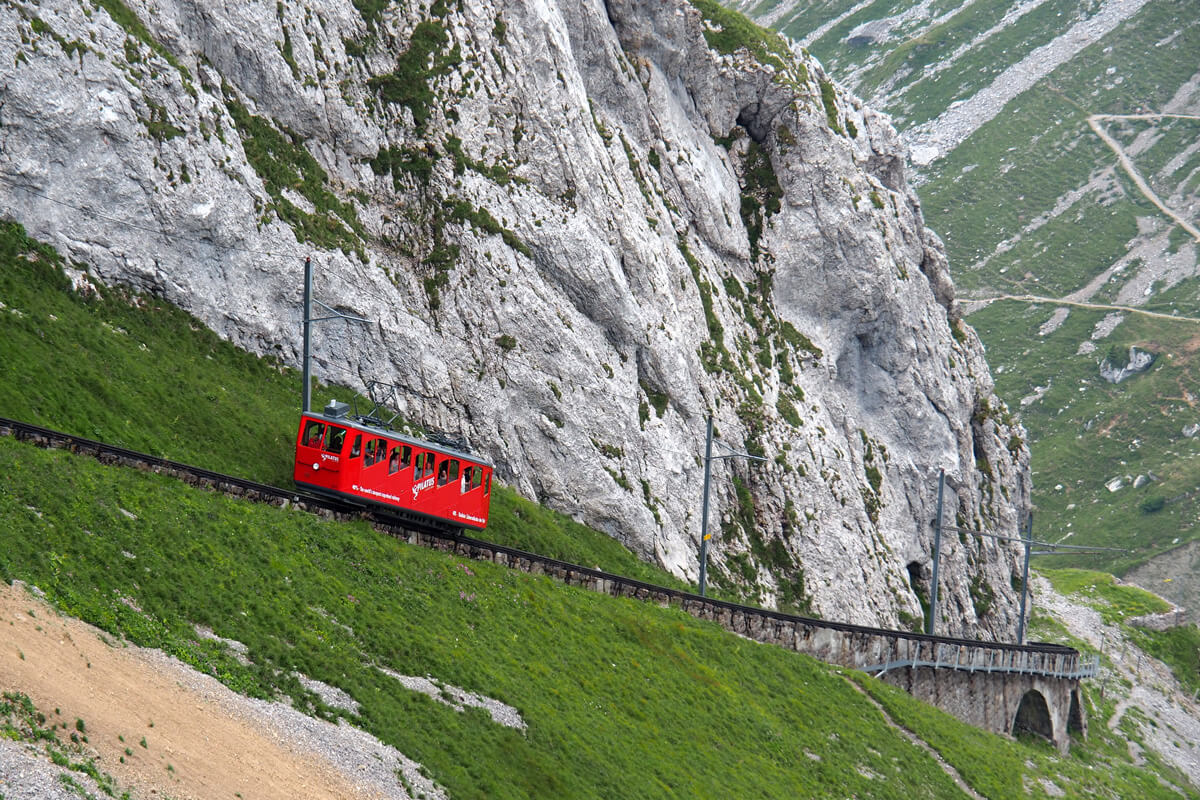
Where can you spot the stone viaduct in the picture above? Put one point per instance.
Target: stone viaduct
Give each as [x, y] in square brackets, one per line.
[1002, 688]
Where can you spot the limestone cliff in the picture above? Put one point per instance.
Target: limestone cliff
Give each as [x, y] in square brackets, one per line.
[577, 228]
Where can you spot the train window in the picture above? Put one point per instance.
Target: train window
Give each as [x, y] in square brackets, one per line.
[447, 471]
[487, 484]
[376, 452]
[419, 465]
[356, 448]
[335, 439]
[465, 484]
[476, 477]
[399, 460]
[312, 433]
[428, 464]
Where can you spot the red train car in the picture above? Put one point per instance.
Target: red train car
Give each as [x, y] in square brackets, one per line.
[352, 459]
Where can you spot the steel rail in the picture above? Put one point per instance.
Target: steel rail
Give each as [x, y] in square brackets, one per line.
[398, 523]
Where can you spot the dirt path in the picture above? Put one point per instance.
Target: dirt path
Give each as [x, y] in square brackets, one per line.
[918, 742]
[974, 305]
[1130, 170]
[178, 741]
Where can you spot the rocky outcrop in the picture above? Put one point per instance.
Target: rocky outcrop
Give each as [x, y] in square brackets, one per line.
[578, 229]
[1116, 366]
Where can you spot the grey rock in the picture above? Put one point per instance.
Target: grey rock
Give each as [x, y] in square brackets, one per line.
[1138, 362]
[589, 162]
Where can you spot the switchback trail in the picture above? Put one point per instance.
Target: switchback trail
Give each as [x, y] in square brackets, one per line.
[1131, 170]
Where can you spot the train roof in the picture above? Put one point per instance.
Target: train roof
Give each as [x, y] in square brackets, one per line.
[427, 444]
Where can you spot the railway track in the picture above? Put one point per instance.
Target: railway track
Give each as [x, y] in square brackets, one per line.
[740, 618]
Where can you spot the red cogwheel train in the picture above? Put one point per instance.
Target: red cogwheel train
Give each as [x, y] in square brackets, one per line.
[359, 458]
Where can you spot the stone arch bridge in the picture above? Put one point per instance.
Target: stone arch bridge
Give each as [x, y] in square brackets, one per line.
[1000, 687]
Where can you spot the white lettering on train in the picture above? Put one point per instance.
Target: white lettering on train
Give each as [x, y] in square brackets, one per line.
[375, 493]
[425, 484]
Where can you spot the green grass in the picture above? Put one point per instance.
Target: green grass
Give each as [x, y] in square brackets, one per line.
[1178, 648]
[730, 31]
[1086, 431]
[1115, 602]
[284, 163]
[410, 84]
[622, 699]
[618, 696]
[1098, 767]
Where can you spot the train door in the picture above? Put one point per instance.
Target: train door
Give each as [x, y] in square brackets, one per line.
[474, 490]
[423, 480]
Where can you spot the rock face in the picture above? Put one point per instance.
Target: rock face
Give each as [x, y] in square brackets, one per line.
[578, 229]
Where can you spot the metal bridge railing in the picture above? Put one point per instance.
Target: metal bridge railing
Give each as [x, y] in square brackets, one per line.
[1020, 663]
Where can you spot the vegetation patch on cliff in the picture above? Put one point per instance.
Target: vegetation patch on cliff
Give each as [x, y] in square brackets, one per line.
[728, 31]
[425, 60]
[285, 165]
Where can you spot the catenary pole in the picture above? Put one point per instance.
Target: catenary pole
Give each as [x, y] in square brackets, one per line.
[306, 394]
[937, 554]
[704, 512]
[1025, 579]
[708, 459]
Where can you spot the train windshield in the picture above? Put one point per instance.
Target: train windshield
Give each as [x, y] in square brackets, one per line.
[335, 439]
[313, 431]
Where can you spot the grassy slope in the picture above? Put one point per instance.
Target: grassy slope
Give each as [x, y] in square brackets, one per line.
[134, 371]
[1178, 647]
[621, 699]
[1014, 170]
[1084, 432]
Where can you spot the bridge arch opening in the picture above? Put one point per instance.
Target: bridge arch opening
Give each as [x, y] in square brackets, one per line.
[1033, 716]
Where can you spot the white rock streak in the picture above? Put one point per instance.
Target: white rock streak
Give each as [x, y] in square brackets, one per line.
[460, 699]
[933, 140]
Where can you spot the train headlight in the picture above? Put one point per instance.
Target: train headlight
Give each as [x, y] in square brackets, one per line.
[316, 466]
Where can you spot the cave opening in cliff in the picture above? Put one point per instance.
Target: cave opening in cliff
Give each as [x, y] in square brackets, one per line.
[918, 579]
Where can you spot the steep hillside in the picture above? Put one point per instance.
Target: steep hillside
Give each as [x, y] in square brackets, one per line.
[605, 697]
[577, 230]
[1059, 161]
[430, 658]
